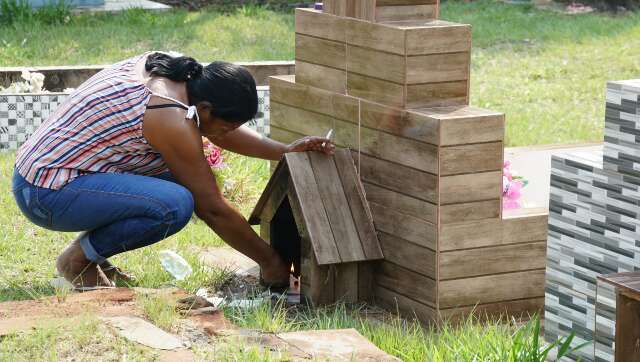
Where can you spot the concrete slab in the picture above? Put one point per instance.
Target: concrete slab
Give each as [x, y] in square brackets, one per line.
[140, 331]
[336, 345]
[114, 6]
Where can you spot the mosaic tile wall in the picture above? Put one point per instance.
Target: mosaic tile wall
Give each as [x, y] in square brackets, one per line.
[20, 115]
[594, 228]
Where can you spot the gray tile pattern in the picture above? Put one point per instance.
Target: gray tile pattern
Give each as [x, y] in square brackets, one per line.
[594, 228]
[21, 114]
[622, 128]
[605, 326]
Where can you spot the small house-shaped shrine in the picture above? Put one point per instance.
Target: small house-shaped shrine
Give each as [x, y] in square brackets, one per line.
[314, 213]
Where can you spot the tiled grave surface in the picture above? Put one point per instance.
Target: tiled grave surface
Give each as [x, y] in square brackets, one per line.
[605, 321]
[565, 311]
[114, 6]
[20, 115]
[593, 228]
[622, 127]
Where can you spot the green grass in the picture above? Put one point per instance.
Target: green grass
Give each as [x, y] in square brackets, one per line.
[234, 351]
[546, 71]
[82, 340]
[159, 309]
[100, 39]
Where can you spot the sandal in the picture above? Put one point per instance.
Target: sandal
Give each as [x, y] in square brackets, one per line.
[93, 282]
[115, 274]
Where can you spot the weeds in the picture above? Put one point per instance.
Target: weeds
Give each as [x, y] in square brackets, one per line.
[236, 351]
[159, 309]
[62, 292]
[265, 317]
[55, 12]
[526, 345]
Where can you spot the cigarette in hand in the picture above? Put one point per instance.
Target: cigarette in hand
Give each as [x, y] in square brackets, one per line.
[328, 136]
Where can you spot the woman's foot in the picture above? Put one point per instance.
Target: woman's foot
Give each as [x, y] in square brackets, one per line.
[78, 270]
[115, 274]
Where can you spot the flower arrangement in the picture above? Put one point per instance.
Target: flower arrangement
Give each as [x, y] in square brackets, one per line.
[512, 186]
[33, 83]
[213, 155]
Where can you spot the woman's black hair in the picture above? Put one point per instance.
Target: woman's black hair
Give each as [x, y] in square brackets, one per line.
[230, 88]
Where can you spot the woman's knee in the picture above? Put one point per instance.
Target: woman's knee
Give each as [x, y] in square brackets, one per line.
[181, 204]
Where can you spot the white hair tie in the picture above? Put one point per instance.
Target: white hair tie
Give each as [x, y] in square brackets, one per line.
[191, 112]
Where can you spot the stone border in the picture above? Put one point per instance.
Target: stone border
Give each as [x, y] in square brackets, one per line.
[57, 78]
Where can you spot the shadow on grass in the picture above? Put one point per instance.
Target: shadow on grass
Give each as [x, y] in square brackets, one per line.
[15, 291]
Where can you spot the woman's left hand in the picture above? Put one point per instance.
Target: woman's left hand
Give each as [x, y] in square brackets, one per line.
[312, 143]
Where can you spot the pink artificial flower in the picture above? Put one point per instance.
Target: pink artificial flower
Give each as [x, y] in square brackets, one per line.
[213, 155]
[513, 190]
[215, 159]
[506, 171]
[508, 204]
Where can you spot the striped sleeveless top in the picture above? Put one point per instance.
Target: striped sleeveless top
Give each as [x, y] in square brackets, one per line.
[97, 128]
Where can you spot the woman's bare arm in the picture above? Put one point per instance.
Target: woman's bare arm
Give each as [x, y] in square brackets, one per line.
[180, 144]
[248, 142]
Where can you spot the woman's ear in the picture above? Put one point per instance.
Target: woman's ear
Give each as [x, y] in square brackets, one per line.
[204, 108]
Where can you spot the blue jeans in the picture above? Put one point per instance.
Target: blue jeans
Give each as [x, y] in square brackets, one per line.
[119, 212]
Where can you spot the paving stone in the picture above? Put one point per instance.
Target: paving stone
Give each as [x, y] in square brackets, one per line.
[336, 345]
[139, 330]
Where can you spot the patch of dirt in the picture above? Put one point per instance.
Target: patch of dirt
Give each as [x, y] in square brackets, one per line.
[107, 300]
[214, 324]
[180, 355]
[23, 315]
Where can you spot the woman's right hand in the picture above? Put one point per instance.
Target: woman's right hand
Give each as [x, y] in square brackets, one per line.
[312, 143]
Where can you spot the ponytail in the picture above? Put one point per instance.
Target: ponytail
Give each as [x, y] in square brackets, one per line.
[179, 69]
[229, 88]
